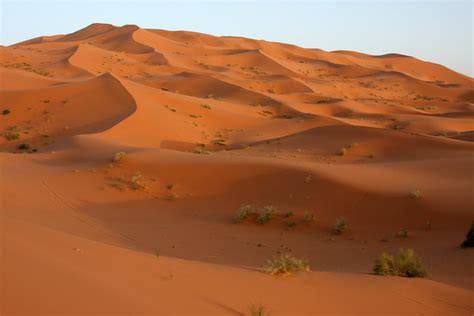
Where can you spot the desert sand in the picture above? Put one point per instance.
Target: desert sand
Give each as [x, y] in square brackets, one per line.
[208, 124]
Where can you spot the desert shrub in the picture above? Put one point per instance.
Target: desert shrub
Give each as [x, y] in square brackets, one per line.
[403, 233]
[11, 136]
[206, 106]
[469, 242]
[342, 151]
[265, 215]
[286, 264]
[200, 149]
[405, 264]
[288, 214]
[308, 178]
[220, 142]
[118, 156]
[291, 224]
[136, 183]
[24, 147]
[308, 217]
[6, 112]
[416, 194]
[244, 212]
[340, 226]
[258, 310]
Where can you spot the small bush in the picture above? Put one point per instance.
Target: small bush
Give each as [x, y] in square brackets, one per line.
[119, 156]
[340, 226]
[308, 217]
[24, 147]
[244, 212]
[416, 194]
[286, 264]
[11, 136]
[403, 233]
[206, 106]
[258, 310]
[200, 149]
[6, 112]
[469, 242]
[405, 264]
[291, 224]
[342, 151]
[266, 214]
[136, 183]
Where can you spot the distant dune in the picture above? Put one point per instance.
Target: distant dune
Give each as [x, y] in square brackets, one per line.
[208, 124]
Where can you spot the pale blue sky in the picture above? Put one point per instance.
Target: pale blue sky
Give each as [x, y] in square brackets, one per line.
[437, 31]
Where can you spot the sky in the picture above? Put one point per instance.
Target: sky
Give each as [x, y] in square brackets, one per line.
[436, 31]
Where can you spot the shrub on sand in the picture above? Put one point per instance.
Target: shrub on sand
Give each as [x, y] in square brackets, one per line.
[339, 226]
[286, 264]
[118, 156]
[244, 212]
[405, 264]
[266, 214]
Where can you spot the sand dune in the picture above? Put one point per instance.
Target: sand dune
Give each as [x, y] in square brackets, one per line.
[211, 123]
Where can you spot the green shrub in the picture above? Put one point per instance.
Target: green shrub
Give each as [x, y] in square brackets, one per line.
[340, 226]
[469, 242]
[6, 112]
[11, 136]
[119, 156]
[405, 264]
[265, 215]
[286, 264]
[258, 310]
[342, 151]
[403, 233]
[288, 214]
[244, 212]
[291, 224]
[308, 217]
[416, 194]
[136, 183]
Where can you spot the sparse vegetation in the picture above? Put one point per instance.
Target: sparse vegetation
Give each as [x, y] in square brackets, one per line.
[136, 183]
[24, 147]
[416, 194]
[286, 264]
[11, 136]
[288, 214]
[266, 214]
[291, 224]
[469, 242]
[405, 264]
[403, 233]
[201, 149]
[308, 178]
[340, 226]
[258, 310]
[342, 151]
[206, 106]
[244, 212]
[118, 156]
[6, 112]
[308, 217]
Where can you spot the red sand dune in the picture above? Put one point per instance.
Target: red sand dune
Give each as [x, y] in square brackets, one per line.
[213, 123]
